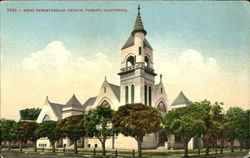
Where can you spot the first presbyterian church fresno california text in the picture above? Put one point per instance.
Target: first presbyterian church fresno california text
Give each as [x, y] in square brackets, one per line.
[137, 85]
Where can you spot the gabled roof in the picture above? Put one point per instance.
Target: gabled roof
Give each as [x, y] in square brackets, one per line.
[116, 90]
[130, 42]
[181, 99]
[73, 102]
[57, 109]
[90, 101]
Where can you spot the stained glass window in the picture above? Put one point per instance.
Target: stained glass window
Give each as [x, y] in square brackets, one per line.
[161, 107]
[46, 118]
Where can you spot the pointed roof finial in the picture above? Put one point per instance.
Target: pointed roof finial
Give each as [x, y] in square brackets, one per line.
[47, 100]
[105, 78]
[138, 8]
[160, 77]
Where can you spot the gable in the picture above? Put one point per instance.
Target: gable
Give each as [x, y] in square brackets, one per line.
[52, 110]
[181, 99]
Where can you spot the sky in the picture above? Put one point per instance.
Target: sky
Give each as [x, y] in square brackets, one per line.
[200, 48]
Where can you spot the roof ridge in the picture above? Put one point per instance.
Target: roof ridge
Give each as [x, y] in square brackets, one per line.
[113, 84]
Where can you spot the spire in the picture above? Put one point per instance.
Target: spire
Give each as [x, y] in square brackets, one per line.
[47, 100]
[105, 79]
[138, 8]
[160, 78]
[138, 23]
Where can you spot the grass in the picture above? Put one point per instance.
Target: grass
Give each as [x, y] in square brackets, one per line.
[121, 153]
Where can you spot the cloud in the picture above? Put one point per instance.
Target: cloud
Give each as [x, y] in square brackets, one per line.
[201, 78]
[192, 59]
[187, 67]
[55, 61]
[54, 72]
[50, 60]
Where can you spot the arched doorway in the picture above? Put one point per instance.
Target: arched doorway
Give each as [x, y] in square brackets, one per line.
[163, 137]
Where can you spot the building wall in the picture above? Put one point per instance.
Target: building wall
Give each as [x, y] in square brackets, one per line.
[124, 142]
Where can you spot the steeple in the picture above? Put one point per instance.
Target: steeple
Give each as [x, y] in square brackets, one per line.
[138, 23]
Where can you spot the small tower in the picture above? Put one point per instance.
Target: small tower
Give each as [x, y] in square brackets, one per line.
[137, 76]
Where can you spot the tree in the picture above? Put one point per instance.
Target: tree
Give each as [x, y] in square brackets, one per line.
[7, 130]
[239, 126]
[136, 120]
[217, 121]
[29, 113]
[97, 124]
[223, 128]
[19, 133]
[24, 131]
[186, 122]
[47, 129]
[212, 120]
[207, 133]
[71, 127]
[28, 131]
[247, 115]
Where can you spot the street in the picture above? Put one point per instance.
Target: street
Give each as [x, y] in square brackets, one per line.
[37, 155]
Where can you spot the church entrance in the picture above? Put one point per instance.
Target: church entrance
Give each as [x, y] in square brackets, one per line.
[163, 137]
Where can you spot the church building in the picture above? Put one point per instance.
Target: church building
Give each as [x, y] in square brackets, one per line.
[137, 85]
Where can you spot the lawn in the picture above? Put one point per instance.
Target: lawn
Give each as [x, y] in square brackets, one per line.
[120, 152]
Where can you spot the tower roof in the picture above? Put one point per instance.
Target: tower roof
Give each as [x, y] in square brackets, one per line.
[130, 42]
[73, 101]
[181, 99]
[138, 24]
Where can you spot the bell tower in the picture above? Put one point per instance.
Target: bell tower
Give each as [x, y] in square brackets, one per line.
[137, 76]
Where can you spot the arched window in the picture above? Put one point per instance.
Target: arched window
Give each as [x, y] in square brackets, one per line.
[132, 93]
[126, 95]
[46, 118]
[146, 61]
[161, 107]
[150, 96]
[145, 94]
[130, 61]
[105, 103]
